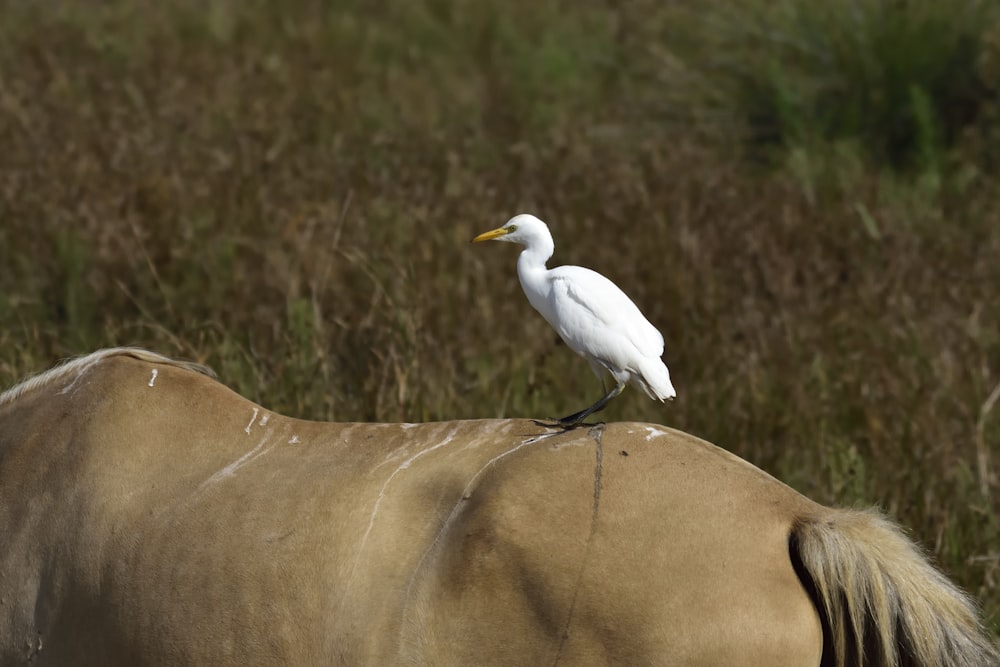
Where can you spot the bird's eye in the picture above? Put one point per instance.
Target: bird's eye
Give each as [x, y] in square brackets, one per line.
[511, 228]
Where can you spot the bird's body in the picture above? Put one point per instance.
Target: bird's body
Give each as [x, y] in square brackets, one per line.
[590, 313]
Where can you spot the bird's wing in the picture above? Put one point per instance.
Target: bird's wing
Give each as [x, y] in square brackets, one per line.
[595, 317]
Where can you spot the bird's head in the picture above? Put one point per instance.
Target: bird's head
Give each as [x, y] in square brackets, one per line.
[522, 229]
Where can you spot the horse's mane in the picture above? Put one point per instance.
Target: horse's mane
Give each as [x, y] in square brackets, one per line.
[81, 363]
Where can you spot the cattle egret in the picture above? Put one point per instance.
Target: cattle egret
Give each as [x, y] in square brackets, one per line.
[590, 313]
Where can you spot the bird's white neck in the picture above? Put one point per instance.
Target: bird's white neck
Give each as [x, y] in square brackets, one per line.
[531, 270]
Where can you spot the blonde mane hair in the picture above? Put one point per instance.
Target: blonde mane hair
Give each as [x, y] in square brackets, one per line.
[82, 363]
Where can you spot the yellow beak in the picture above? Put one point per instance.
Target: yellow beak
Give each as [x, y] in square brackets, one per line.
[490, 235]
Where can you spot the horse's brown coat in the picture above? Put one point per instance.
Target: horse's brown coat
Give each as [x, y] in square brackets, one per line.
[163, 519]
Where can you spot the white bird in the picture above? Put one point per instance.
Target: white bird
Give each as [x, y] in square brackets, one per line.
[590, 313]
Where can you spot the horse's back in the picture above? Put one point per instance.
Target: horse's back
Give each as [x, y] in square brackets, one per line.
[627, 544]
[159, 518]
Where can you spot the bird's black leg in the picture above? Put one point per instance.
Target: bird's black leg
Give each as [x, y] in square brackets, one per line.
[577, 417]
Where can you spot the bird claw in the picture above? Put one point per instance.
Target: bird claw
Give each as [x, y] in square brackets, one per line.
[565, 424]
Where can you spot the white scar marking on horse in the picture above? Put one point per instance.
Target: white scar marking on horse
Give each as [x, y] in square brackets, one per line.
[263, 420]
[406, 464]
[654, 433]
[153, 379]
[466, 494]
[378, 501]
[294, 441]
[79, 374]
[407, 426]
[474, 443]
[398, 452]
[247, 429]
[393, 456]
[231, 469]
[346, 433]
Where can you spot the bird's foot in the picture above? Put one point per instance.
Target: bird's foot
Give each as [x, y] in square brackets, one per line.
[548, 423]
[565, 424]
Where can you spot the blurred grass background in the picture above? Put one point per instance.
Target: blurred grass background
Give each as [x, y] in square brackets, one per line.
[802, 196]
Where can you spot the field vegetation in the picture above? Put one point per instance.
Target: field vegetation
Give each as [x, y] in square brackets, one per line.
[804, 197]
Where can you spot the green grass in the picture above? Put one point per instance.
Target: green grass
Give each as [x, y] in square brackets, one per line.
[901, 80]
[287, 191]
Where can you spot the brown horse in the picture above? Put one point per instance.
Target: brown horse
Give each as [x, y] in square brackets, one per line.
[150, 516]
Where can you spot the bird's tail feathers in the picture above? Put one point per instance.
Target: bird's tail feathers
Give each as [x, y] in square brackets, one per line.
[654, 378]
